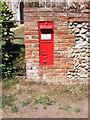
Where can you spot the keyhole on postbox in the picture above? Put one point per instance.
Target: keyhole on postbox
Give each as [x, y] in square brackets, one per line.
[42, 52]
[44, 55]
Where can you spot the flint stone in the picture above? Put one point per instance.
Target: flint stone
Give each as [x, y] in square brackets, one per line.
[75, 24]
[83, 31]
[83, 24]
[71, 23]
[83, 36]
[83, 65]
[77, 31]
[71, 27]
[85, 27]
[79, 26]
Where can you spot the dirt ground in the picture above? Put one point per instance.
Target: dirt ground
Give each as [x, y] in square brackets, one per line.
[37, 100]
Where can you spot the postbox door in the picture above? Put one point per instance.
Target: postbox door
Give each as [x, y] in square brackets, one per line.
[46, 53]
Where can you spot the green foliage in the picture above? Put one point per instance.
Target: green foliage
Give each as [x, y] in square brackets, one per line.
[14, 109]
[84, 88]
[45, 101]
[66, 89]
[7, 84]
[7, 23]
[77, 110]
[67, 107]
[20, 62]
[7, 100]
[26, 102]
[31, 91]
[20, 91]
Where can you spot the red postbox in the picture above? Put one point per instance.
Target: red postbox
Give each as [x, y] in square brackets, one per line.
[46, 43]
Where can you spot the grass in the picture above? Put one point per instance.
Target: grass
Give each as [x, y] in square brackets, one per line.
[84, 88]
[19, 33]
[26, 102]
[77, 110]
[20, 91]
[66, 89]
[14, 109]
[31, 82]
[31, 91]
[7, 100]
[45, 101]
[65, 107]
[6, 85]
[9, 83]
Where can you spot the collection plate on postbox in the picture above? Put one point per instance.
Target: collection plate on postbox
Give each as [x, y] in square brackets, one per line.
[46, 43]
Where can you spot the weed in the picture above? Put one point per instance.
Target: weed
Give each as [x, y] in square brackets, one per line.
[66, 89]
[84, 87]
[20, 91]
[79, 98]
[32, 82]
[45, 101]
[15, 81]
[67, 107]
[6, 85]
[60, 108]
[31, 91]
[26, 102]
[7, 100]
[75, 94]
[14, 109]
[77, 110]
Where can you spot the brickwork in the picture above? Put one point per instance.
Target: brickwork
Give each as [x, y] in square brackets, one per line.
[64, 69]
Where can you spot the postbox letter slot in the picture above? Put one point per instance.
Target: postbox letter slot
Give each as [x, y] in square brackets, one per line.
[45, 62]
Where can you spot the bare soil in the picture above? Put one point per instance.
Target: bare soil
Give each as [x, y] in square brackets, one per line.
[69, 101]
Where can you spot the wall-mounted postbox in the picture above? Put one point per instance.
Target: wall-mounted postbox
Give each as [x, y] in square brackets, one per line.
[46, 43]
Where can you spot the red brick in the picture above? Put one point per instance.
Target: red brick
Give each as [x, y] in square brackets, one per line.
[49, 19]
[64, 19]
[31, 41]
[61, 32]
[70, 62]
[63, 48]
[26, 28]
[28, 53]
[63, 66]
[71, 44]
[71, 41]
[31, 49]
[30, 32]
[63, 70]
[64, 40]
[68, 36]
[59, 14]
[35, 60]
[81, 19]
[70, 66]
